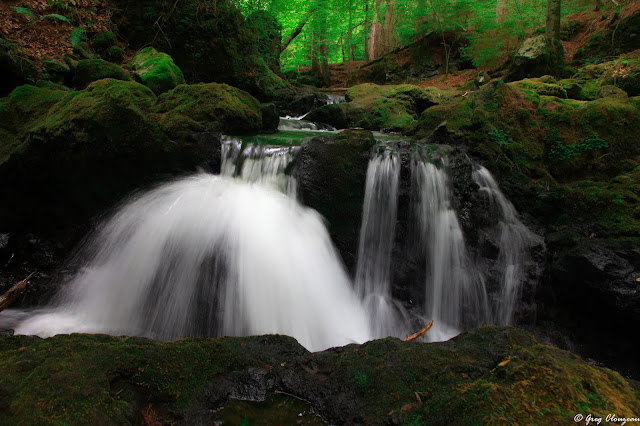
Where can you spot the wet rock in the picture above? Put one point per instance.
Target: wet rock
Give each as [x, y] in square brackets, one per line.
[331, 173]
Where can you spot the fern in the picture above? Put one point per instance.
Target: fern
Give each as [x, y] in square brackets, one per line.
[23, 11]
[76, 36]
[55, 16]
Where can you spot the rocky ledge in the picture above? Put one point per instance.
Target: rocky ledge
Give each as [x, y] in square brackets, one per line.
[486, 375]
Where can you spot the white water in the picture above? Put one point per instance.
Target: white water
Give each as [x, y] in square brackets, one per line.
[259, 163]
[299, 124]
[373, 278]
[515, 241]
[334, 99]
[455, 292]
[211, 256]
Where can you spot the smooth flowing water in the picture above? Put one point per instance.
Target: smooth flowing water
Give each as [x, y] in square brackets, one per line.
[514, 247]
[373, 273]
[456, 297]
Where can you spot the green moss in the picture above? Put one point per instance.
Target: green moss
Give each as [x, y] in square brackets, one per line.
[104, 40]
[90, 70]
[156, 70]
[391, 108]
[541, 88]
[21, 111]
[208, 107]
[488, 375]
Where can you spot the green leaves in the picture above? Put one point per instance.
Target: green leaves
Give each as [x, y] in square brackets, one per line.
[76, 36]
[55, 16]
[23, 11]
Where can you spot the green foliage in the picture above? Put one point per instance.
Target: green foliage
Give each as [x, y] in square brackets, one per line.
[501, 137]
[23, 11]
[565, 152]
[76, 36]
[55, 16]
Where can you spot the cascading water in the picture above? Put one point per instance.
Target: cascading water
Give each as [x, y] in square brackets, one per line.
[373, 278]
[515, 240]
[299, 124]
[334, 99]
[259, 163]
[455, 292]
[210, 256]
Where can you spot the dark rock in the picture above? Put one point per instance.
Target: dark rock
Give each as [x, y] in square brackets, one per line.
[270, 116]
[331, 173]
[334, 115]
[90, 70]
[15, 67]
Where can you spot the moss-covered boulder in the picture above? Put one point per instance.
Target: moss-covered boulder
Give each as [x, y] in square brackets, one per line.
[332, 114]
[156, 70]
[331, 173]
[104, 40]
[489, 375]
[270, 116]
[90, 70]
[208, 107]
[76, 153]
[55, 71]
[390, 108]
[535, 59]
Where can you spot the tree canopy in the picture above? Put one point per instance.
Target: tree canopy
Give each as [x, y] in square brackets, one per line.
[343, 30]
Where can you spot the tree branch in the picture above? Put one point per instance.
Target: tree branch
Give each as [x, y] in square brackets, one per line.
[296, 32]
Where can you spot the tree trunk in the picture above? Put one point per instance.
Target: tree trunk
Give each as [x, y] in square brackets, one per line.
[375, 35]
[366, 28]
[501, 10]
[319, 54]
[296, 32]
[388, 40]
[553, 23]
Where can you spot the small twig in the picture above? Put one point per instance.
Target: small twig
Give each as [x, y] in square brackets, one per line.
[414, 336]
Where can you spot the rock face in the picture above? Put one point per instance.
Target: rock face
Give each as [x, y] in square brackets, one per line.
[481, 376]
[331, 173]
[535, 59]
[15, 68]
[156, 70]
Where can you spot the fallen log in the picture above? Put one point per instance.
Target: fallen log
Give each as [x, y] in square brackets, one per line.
[13, 293]
[417, 334]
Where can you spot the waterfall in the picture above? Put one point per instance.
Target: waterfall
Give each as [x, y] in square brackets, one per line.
[259, 163]
[514, 238]
[455, 293]
[299, 124]
[211, 256]
[334, 99]
[377, 232]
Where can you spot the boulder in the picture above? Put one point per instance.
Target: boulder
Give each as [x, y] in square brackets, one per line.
[156, 70]
[79, 152]
[208, 107]
[331, 173]
[535, 59]
[90, 70]
[15, 67]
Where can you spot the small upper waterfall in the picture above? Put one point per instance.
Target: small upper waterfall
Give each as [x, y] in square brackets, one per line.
[373, 273]
[514, 239]
[334, 99]
[259, 163]
[455, 292]
[299, 124]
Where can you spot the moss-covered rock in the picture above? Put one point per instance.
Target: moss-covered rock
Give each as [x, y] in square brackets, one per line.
[114, 54]
[331, 173]
[104, 40]
[541, 87]
[156, 70]
[488, 375]
[90, 70]
[535, 59]
[270, 116]
[210, 42]
[207, 107]
[83, 150]
[332, 114]
[55, 70]
[391, 108]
